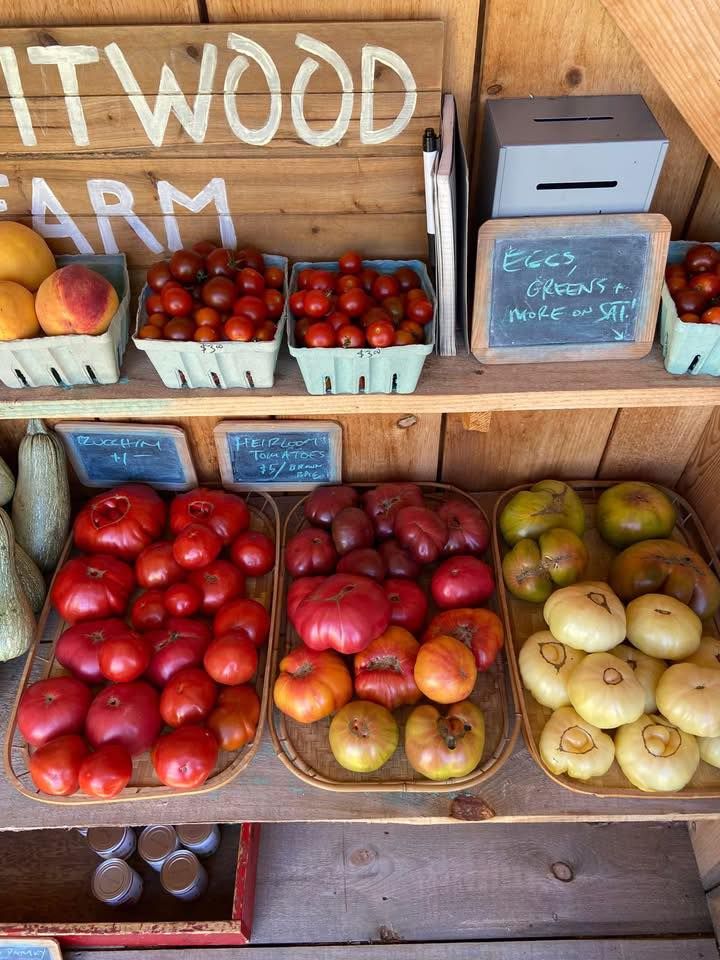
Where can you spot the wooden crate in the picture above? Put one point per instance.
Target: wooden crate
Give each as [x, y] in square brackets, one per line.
[50, 895]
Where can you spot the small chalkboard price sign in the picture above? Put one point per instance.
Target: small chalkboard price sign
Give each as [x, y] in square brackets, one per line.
[31, 949]
[291, 455]
[568, 288]
[105, 454]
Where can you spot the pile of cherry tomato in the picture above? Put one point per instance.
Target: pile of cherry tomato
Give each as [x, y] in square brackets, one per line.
[358, 306]
[694, 285]
[162, 643]
[211, 293]
[387, 602]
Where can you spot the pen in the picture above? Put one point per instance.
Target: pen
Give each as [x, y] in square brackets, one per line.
[430, 146]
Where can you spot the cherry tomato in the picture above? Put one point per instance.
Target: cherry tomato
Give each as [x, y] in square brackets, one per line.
[153, 304]
[220, 293]
[323, 280]
[350, 262]
[710, 316]
[701, 258]
[158, 320]
[176, 301]
[221, 262]
[690, 317]
[243, 614]
[187, 697]
[231, 658]
[677, 282]
[355, 302]
[407, 278]
[250, 257]
[182, 599]
[304, 278]
[415, 328]
[196, 546]
[274, 301]
[320, 335]
[317, 304]
[148, 610]
[208, 317]
[55, 767]
[404, 338]
[347, 282]
[187, 266]
[206, 335]
[385, 286]
[380, 334]
[706, 283]
[297, 302]
[416, 294]
[204, 247]
[250, 281]
[690, 301]
[367, 278]
[185, 758]
[274, 278]
[253, 553]
[376, 315]
[301, 328]
[266, 331]
[675, 269]
[239, 328]
[421, 311]
[251, 306]
[150, 332]
[124, 657]
[158, 275]
[218, 583]
[106, 772]
[395, 308]
[182, 328]
[350, 336]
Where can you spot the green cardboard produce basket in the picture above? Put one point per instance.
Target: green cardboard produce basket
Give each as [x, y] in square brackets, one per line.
[687, 347]
[367, 369]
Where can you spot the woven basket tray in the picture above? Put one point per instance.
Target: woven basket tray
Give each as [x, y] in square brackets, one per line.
[523, 618]
[144, 784]
[304, 748]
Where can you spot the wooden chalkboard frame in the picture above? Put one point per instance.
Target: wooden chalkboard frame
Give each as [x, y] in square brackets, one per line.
[176, 434]
[221, 431]
[654, 225]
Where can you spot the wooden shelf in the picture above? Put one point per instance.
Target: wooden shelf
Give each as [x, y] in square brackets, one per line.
[447, 385]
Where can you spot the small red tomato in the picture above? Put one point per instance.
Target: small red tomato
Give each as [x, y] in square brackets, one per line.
[153, 304]
[231, 658]
[239, 328]
[106, 772]
[385, 286]
[317, 304]
[350, 262]
[249, 281]
[420, 310]
[217, 583]
[323, 280]
[206, 335]
[149, 332]
[677, 283]
[204, 247]
[710, 316]
[187, 697]
[274, 301]
[274, 278]
[701, 258]
[380, 334]
[155, 566]
[124, 657]
[375, 315]
[182, 600]
[158, 319]
[219, 293]
[690, 317]
[266, 332]
[395, 307]
[252, 307]
[407, 278]
[350, 336]
[176, 301]
[706, 283]
[186, 266]
[337, 319]
[297, 303]
[301, 328]
[250, 257]
[404, 338]
[148, 610]
[415, 294]
[158, 275]
[346, 282]
[367, 278]
[182, 328]
[208, 317]
[690, 301]
[196, 546]
[320, 335]
[253, 553]
[415, 328]
[304, 278]
[355, 302]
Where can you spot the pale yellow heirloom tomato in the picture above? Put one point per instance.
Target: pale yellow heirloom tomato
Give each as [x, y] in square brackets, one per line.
[586, 616]
[571, 745]
[605, 691]
[655, 755]
[663, 627]
[647, 669]
[709, 750]
[545, 665]
[689, 696]
[707, 654]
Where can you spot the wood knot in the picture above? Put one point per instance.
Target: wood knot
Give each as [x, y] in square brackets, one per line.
[563, 872]
[574, 77]
[362, 857]
[407, 421]
[47, 39]
[388, 935]
[192, 51]
[470, 808]
[494, 89]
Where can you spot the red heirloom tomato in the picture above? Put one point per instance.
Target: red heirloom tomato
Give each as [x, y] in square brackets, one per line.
[231, 658]
[422, 532]
[155, 566]
[180, 643]
[185, 758]
[347, 282]
[352, 530]
[195, 546]
[244, 614]
[344, 612]
[218, 582]
[92, 588]
[298, 590]
[310, 552]
[120, 522]
[124, 713]
[367, 277]
[55, 767]
[187, 697]
[235, 718]
[205, 335]
[398, 562]
[384, 501]
[182, 600]
[266, 332]
[445, 670]
[363, 736]
[124, 657]
[78, 647]
[152, 331]
[444, 745]
[462, 582]
[403, 338]
[408, 604]
[106, 772]
[225, 513]
[394, 306]
[148, 610]
[366, 562]
[324, 503]
[311, 684]
[384, 669]
[51, 708]
[480, 630]
[253, 553]
[468, 530]
[350, 262]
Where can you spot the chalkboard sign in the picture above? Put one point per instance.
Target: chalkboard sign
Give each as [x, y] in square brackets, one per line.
[296, 455]
[30, 949]
[568, 288]
[105, 454]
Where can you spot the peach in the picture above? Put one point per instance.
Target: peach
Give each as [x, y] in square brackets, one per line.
[17, 312]
[75, 299]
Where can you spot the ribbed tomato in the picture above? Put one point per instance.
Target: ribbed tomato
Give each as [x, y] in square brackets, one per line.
[383, 503]
[311, 684]
[324, 503]
[298, 590]
[399, 563]
[441, 745]
[352, 529]
[421, 532]
[310, 553]
[235, 718]
[365, 562]
[225, 513]
[384, 669]
[79, 646]
[92, 588]
[345, 612]
[187, 697]
[480, 630]
[468, 529]
[180, 643]
[120, 522]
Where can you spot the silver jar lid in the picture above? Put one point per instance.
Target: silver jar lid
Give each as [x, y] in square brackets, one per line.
[157, 842]
[195, 833]
[104, 840]
[180, 873]
[112, 881]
